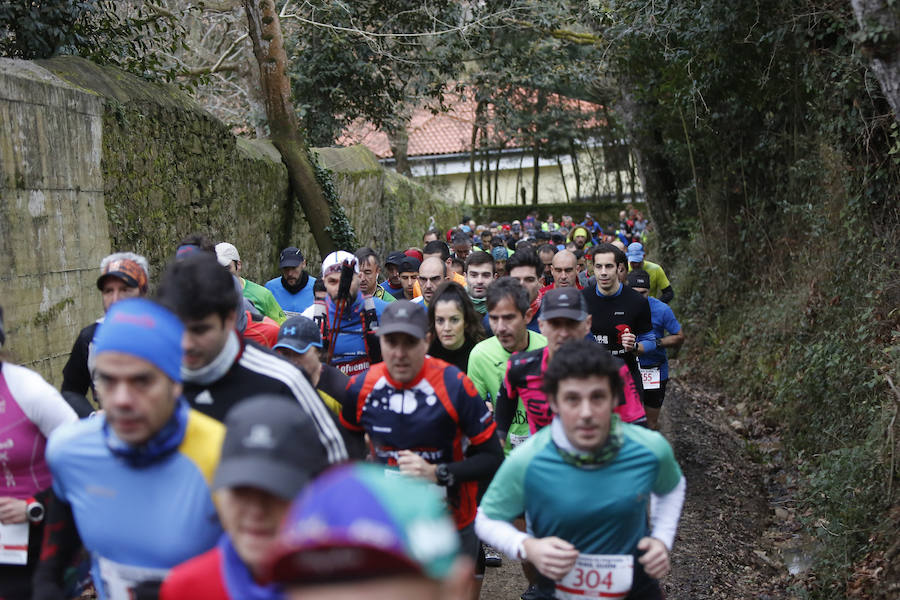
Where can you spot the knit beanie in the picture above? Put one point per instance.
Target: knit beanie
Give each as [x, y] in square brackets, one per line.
[144, 329]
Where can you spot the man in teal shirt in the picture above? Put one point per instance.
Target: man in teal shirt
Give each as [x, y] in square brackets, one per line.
[590, 537]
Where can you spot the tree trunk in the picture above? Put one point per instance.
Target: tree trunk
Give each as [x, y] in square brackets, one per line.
[476, 199]
[284, 129]
[497, 174]
[576, 168]
[562, 177]
[537, 172]
[398, 139]
[876, 19]
[654, 169]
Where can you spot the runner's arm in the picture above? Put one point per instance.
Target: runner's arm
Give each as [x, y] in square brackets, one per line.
[553, 556]
[645, 342]
[504, 411]
[500, 534]
[667, 294]
[665, 512]
[482, 461]
[505, 405]
[673, 340]
[61, 541]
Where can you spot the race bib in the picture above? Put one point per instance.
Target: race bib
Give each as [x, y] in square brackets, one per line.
[14, 544]
[121, 580]
[650, 378]
[597, 576]
[516, 440]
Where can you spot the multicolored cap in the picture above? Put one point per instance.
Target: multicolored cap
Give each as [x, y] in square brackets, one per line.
[356, 521]
[127, 270]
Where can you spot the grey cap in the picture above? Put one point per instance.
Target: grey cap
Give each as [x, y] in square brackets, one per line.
[299, 334]
[270, 444]
[563, 303]
[403, 316]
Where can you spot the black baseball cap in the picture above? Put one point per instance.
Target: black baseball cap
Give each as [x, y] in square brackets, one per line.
[290, 257]
[409, 264]
[563, 303]
[298, 334]
[270, 444]
[395, 258]
[403, 316]
[639, 278]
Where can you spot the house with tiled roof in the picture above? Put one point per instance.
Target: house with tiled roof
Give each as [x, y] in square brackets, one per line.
[439, 152]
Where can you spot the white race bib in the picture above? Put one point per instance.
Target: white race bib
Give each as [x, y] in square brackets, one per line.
[516, 440]
[121, 580]
[650, 378]
[14, 544]
[597, 576]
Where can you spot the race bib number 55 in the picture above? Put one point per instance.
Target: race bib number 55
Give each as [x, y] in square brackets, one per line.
[650, 378]
[598, 576]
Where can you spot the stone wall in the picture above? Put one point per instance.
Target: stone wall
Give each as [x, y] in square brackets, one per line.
[93, 160]
[52, 218]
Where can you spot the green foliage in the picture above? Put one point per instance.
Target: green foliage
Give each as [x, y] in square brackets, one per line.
[370, 59]
[341, 229]
[130, 35]
[784, 250]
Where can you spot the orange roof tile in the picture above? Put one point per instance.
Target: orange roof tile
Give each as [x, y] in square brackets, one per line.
[448, 132]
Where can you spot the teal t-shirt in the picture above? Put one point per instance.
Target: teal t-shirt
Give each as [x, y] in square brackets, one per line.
[598, 510]
[487, 368]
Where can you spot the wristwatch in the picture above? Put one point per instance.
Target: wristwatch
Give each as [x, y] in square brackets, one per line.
[444, 476]
[34, 510]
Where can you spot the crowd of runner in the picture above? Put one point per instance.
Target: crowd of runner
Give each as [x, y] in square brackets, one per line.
[380, 431]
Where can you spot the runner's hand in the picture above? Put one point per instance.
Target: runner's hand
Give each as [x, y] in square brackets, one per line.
[411, 463]
[553, 557]
[12, 510]
[629, 340]
[656, 557]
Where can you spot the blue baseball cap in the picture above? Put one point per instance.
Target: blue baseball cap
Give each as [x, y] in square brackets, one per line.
[144, 329]
[299, 334]
[635, 252]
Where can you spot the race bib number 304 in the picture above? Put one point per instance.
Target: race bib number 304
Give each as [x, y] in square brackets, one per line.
[598, 576]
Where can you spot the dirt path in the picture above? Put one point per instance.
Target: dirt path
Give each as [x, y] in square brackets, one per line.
[724, 548]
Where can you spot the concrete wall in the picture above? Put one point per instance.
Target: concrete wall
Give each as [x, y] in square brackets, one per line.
[94, 160]
[452, 180]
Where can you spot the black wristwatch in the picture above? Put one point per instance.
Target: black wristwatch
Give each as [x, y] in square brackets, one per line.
[34, 510]
[444, 476]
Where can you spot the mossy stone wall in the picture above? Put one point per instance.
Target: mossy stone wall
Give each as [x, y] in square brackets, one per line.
[129, 165]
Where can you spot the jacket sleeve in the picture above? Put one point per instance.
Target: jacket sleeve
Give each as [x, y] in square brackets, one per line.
[61, 542]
